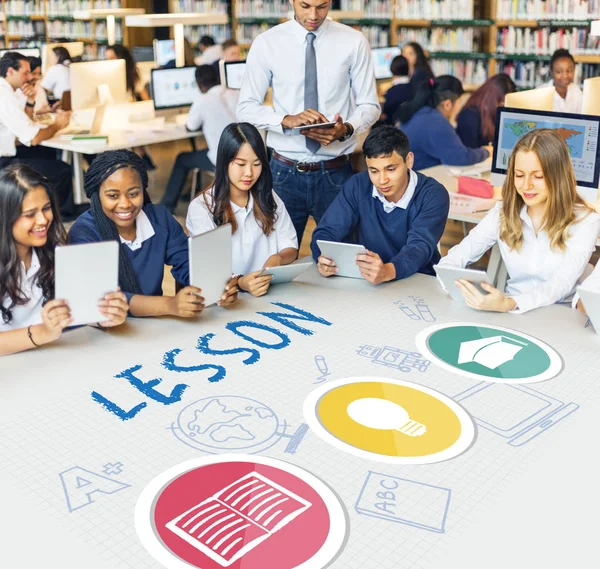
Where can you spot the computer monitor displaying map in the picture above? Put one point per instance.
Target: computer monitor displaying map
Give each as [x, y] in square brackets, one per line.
[382, 59]
[579, 132]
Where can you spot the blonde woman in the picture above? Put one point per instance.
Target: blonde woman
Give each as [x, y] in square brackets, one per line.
[545, 231]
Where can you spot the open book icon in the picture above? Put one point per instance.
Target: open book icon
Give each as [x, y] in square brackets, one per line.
[490, 352]
[237, 518]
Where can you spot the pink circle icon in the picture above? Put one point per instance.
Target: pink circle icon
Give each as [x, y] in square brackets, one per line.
[240, 511]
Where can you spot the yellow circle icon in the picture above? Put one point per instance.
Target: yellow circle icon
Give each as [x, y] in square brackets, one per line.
[389, 419]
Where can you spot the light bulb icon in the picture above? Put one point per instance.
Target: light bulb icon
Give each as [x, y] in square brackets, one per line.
[375, 413]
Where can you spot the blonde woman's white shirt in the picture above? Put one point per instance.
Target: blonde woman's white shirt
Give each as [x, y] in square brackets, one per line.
[57, 80]
[250, 246]
[28, 314]
[538, 275]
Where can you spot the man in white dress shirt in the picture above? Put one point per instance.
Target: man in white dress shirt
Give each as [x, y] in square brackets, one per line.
[17, 126]
[212, 110]
[319, 71]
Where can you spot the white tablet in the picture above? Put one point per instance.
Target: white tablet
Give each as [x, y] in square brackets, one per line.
[84, 274]
[286, 273]
[318, 125]
[591, 302]
[210, 262]
[344, 256]
[450, 274]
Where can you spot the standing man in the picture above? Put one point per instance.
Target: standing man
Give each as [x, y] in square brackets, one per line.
[320, 71]
[17, 126]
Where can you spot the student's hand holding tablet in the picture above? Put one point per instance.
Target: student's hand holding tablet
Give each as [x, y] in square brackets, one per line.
[230, 294]
[186, 303]
[373, 269]
[56, 316]
[493, 301]
[255, 283]
[114, 307]
[326, 266]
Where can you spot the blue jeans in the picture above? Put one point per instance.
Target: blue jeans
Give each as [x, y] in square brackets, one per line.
[307, 193]
[185, 162]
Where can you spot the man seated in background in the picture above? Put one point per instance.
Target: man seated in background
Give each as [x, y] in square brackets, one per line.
[212, 110]
[210, 52]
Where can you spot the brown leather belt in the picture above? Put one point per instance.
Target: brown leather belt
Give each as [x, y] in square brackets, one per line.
[312, 166]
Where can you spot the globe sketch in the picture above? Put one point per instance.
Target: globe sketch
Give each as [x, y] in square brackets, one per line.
[231, 423]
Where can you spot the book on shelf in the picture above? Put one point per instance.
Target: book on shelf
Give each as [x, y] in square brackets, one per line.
[548, 9]
[531, 74]
[435, 10]
[545, 41]
[464, 40]
[470, 71]
[199, 6]
[262, 9]
[376, 9]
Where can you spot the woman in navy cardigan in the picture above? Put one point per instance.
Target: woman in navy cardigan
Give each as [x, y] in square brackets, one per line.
[426, 122]
[149, 236]
[476, 123]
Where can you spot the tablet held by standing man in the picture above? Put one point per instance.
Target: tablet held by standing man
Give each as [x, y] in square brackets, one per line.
[320, 71]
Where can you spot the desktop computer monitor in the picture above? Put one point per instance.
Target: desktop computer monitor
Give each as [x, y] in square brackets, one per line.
[174, 87]
[382, 59]
[534, 100]
[25, 51]
[90, 79]
[232, 73]
[164, 52]
[591, 96]
[581, 134]
[75, 49]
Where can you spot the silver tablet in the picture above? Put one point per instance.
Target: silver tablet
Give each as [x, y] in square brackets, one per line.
[318, 125]
[84, 274]
[344, 256]
[450, 274]
[591, 302]
[210, 262]
[286, 273]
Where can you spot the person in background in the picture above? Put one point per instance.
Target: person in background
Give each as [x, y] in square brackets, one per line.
[135, 87]
[320, 71]
[400, 91]
[231, 51]
[545, 231]
[212, 110]
[396, 214]
[116, 184]
[41, 101]
[568, 97]
[30, 231]
[20, 135]
[426, 122]
[263, 233]
[58, 77]
[476, 122]
[418, 68]
[209, 51]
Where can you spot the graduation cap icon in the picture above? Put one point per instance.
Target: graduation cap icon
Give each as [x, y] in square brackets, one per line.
[490, 352]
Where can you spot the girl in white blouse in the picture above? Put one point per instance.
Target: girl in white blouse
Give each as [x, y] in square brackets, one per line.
[58, 77]
[546, 233]
[242, 194]
[30, 229]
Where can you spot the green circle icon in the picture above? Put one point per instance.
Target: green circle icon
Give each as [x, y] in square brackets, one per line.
[491, 353]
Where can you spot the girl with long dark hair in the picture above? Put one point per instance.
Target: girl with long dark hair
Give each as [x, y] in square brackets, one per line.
[30, 230]
[242, 194]
[58, 77]
[476, 123]
[135, 87]
[116, 184]
[426, 122]
[418, 67]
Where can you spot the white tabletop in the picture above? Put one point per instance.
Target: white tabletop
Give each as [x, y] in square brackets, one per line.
[509, 506]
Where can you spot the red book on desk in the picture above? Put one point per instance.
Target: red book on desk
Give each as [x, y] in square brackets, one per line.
[475, 187]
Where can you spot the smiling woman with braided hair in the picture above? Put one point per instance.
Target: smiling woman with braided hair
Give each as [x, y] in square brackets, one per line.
[150, 237]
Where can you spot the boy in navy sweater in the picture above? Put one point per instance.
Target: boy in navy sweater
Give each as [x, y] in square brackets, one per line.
[396, 214]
